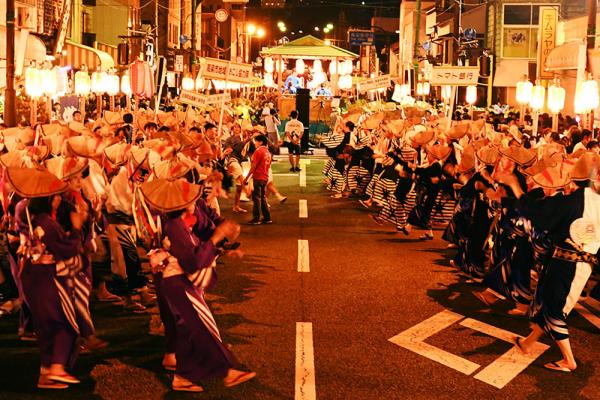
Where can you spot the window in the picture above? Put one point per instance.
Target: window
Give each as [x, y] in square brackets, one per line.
[520, 29]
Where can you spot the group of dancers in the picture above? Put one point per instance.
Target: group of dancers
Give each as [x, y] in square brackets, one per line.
[73, 190]
[522, 211]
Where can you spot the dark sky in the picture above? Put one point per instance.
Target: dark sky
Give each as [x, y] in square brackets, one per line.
[306, 14]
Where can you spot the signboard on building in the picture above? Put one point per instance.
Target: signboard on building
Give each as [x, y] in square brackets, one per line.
[358, 37]
[213, 68]
[178, 63]
[379, 82]
[221, 15]
[63, 27]
[546, 40]
[200, 100]
[454, 76]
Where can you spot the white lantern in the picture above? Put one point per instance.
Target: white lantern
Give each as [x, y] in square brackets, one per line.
[446, 92]
[317, 66]
[280, 65]
[62, 80]
[524, 94]
[580, 103]
[112, 84]
[300, 66]
[426, 88]
[33, 83]
[126, 85]
[199, 82]
[187, 83]
[333, 68]
[82, 83]
[471, 96]
[556, 98]
[590, 91]
[419, 89]
[48, 80]
[349, 67]
[538, 96]
[269, 65]
[405, 90]
[269, 80]
[98, 82]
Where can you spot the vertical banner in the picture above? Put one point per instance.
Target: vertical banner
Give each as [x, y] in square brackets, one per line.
[63, 27]
[547, 39]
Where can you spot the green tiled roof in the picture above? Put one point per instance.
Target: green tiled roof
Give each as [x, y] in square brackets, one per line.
[309, 47]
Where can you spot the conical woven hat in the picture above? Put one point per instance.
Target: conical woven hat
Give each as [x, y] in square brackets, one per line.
[553, 177]
[118, 153]
[457, 131]
[584, 167]
[37, 153]
[373, 121]
[147, 157]
[520, 155]
[85, 146]
[171, 169]
[18, 138]
[55, 143]
[423, 137]
[13, 159]
[439, 151]
[163, 147]
[66, 167]
[488, 155]
[113, 118]
[204, 151]
[34, 182]
[467, 161]
[78, 127]
[170, 195]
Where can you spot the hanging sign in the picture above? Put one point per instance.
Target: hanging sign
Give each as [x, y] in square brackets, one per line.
[454, 76]
[379, 82]
[179, 63]
[221, 15]
[224, 70]
[546, 40]
[200, 100]
[63, 27]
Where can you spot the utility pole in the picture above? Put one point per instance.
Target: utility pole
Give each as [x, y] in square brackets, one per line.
[10, 95]
[195, 4]
[416, 43]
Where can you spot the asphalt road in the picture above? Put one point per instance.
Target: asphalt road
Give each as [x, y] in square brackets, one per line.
[365, 286]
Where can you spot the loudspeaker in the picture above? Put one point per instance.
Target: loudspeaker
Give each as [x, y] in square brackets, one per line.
[303, 108]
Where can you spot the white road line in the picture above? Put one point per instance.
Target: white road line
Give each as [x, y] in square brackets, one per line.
[303, 177]
[510, 364]
[305, 362]
[413, 340]
[285, 174]
[305, 161]
[587, 314]
[303, 256]
[303, 209]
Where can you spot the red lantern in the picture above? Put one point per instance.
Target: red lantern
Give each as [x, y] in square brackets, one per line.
[142, 79]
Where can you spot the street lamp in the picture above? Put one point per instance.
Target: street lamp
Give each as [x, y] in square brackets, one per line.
[260, 33]
[250, 29]
[329, 26]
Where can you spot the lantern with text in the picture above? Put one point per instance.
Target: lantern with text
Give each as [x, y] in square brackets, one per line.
[317, 66]
[83, 83]
[125, 85]
[556, 102]
[299, 66]
[187, 83]
[98, 82]
[33, 82]
[49, 84]
[446, 92]
[471, 96]
[269, 65]
[538, 97]
[268, 80]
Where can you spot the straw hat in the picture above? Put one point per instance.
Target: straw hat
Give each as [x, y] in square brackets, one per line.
[585, 166]
[467, 161]
[78, 127]
[172, 168]
[488, 155]
[37, 153]
[34, 182]
[423, 137]
[539, 166]
[165, 148]
[413, 112]
[373, 122]
[352, 117]
[204, 151]
[54, 129]
[260, 129]
[18, 138]
[520, 155]
[85, 146]
[113, 118]
[66, 167]
[457, 131]
[439, 151]
[552, 177]
[170, 195]
[118, 154]
[476, 126]
[144, 156]
[14, 159]
[55, 143]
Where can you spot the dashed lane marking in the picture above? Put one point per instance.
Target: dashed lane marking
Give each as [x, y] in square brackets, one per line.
[305, 363]
[302, 209]
[499, 373]
[303, 177]
[304, 161]
[303, 256]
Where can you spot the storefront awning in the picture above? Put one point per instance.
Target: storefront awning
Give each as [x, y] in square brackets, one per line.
[509, 72]
[79, 54]
[27, 48]
[568, 56]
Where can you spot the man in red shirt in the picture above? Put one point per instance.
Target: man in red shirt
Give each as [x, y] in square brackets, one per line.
[259, 170]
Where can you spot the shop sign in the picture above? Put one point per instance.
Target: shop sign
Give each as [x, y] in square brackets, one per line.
[224, 70]
[454, 76]
[379, 82]
[547, 40]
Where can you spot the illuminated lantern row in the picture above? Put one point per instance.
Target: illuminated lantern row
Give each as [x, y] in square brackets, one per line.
[538, 96]
[83, 83]
[446, 92]
[142, 79]
[524, 92]
[556, 98]
[471, 96]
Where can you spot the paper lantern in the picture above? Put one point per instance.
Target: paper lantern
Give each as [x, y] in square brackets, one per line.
[300, 66]
[426, 88]
[317, 66]
[419, 89]
[556, 98]
[446, 92]
[48, 80]
[142, 79]
[83, 83]
[112, 84]
[62, 80]
[33, 82]
[199, 82]
[471, 96]
[269, 80]
[269, 65]
[333, 68]
[98, 82]
[345, 82]
[524, 92]
[590, 91]
[538, 97]
[125, 85]
[187, 83]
